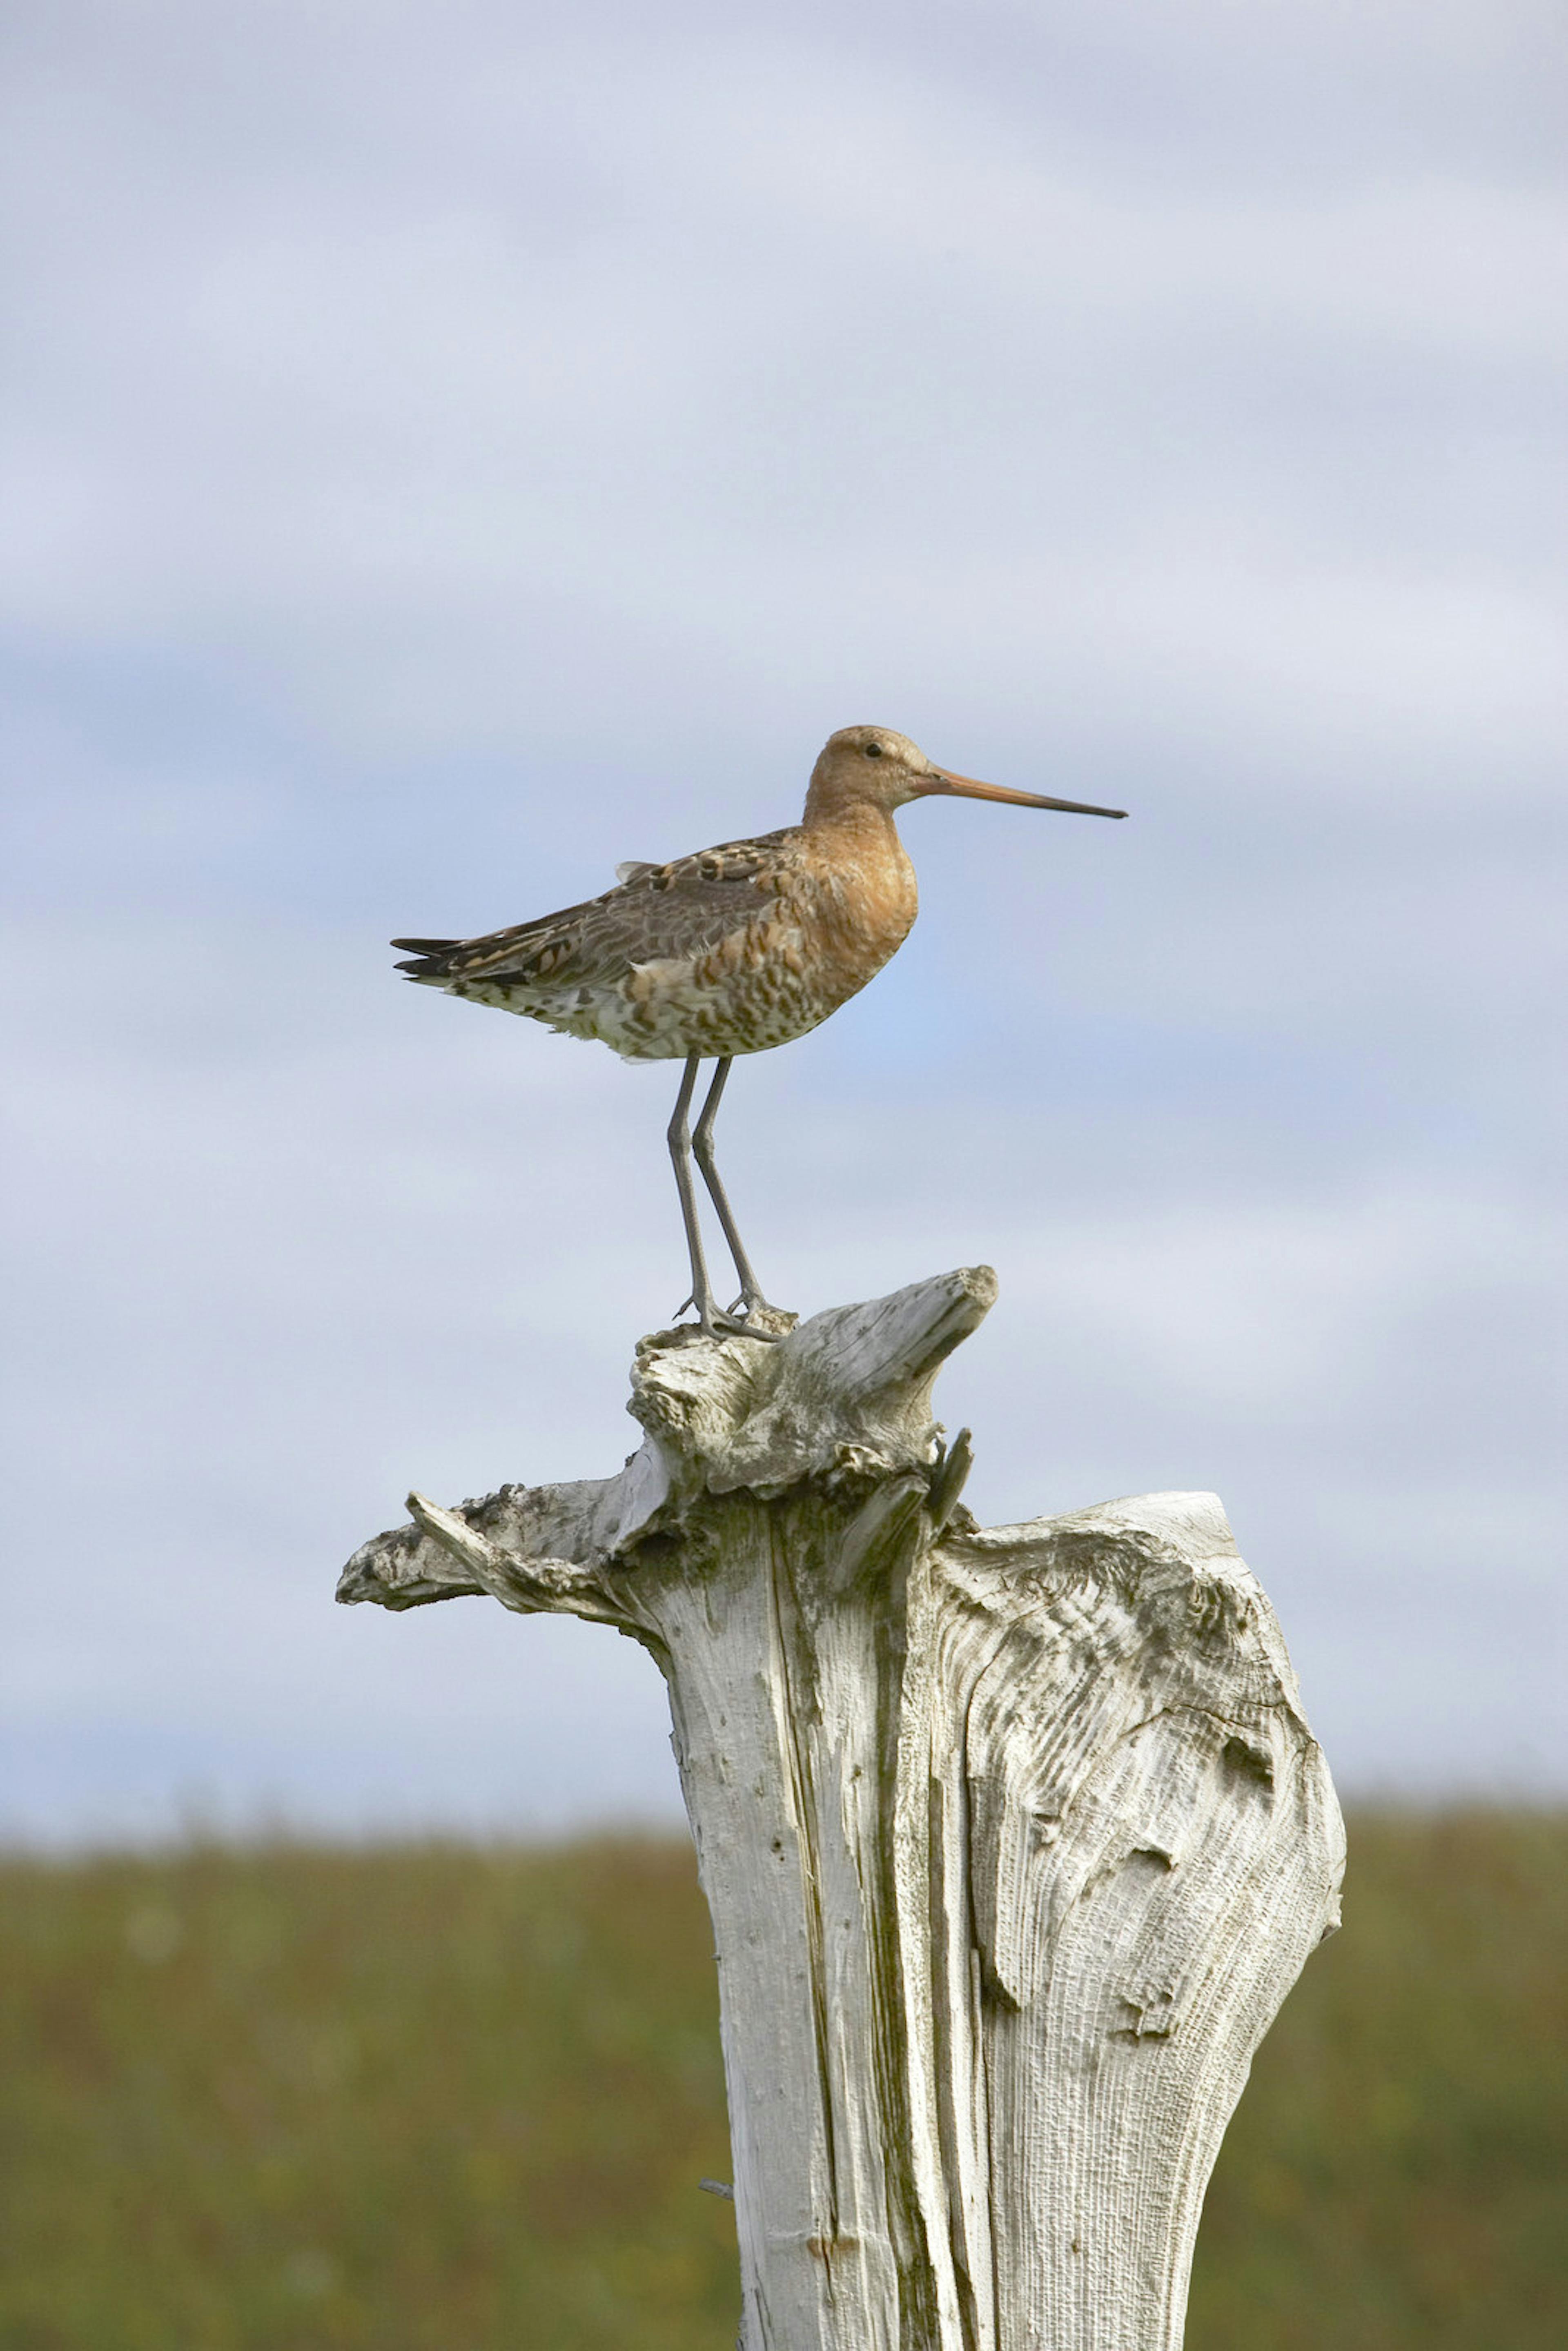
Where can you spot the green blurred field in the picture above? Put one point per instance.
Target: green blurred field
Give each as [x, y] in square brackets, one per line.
[444, 2099]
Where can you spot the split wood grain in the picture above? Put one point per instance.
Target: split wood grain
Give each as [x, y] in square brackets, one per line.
[1014, 1839]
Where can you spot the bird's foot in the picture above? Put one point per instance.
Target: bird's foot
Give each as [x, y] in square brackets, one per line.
[747, 1318]
[761, 1318]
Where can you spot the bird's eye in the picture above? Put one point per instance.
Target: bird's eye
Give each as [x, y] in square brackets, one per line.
[873, 750]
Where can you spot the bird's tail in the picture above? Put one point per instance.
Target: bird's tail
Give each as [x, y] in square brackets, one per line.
[430, 956]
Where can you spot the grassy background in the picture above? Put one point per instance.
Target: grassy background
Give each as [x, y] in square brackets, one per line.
[436, 2098]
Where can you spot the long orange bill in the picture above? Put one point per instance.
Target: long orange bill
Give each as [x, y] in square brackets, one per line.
[966, 788]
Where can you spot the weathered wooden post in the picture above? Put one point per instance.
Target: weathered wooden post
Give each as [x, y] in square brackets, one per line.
[1014, 1839]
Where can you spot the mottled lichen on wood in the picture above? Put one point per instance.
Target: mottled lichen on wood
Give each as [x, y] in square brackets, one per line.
[1014, 1839]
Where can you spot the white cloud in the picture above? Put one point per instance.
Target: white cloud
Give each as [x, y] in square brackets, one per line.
[724, 348]
[449, 455]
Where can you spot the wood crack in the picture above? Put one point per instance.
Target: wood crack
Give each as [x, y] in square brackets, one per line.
[1014, 1839]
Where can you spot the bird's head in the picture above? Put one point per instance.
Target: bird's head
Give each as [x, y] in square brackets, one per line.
[871, 765]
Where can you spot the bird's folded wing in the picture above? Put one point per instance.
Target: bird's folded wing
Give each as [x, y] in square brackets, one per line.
[658, 912]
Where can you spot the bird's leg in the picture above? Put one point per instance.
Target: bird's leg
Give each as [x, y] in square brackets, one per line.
[680, 1141]
[679, 1137]
[751, 1296]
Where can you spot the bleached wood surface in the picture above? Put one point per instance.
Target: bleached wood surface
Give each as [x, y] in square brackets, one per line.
[1014, 1839]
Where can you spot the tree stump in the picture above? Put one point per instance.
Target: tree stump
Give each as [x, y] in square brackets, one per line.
[1014, 1839]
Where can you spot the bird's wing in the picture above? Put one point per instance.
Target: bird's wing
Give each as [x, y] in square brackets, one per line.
[673, 912]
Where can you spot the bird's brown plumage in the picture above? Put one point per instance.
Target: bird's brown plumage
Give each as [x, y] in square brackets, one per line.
[732, 949]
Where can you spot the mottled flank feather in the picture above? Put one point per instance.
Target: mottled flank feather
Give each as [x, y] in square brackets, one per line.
[731, 950]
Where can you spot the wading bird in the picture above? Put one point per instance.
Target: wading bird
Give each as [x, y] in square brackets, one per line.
[732, 950]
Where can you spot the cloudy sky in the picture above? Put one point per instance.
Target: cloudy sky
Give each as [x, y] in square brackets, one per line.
[447, 450]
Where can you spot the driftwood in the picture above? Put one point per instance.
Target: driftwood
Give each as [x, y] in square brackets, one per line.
[1014, 1839]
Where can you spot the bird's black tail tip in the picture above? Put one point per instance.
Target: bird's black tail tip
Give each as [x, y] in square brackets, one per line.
[429, 957]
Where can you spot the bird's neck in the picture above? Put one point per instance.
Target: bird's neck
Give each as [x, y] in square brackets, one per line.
[855, 844]
[834, 807]
[857, 835]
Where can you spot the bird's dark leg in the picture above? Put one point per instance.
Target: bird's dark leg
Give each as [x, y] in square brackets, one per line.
[680, 1139]
[709, 1319]
[679, 1136]
[751, 1296]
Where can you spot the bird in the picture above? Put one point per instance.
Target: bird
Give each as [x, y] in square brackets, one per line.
[731, 950]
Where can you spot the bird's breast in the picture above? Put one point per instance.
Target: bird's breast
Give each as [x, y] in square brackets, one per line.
[863, 895]
[824, 926]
